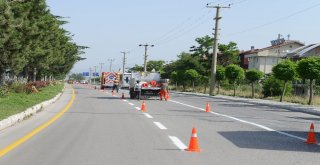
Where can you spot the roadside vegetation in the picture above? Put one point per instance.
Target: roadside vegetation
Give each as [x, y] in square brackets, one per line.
[18, 97]
[290, 81]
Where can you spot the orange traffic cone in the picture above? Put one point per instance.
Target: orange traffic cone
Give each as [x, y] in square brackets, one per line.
[143, 107]
[311, 139]
[167, 96]
[193, 145]
[208, 107]
[122, 97]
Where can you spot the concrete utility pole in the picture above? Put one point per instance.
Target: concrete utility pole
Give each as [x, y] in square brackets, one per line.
[110, 60]
[94, 75]
[101, 64]
[124, 60]
[215, 48]
[90, 72]
[145, 55]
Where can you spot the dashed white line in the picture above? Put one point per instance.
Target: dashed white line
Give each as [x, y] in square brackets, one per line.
[125, 100]
[148, 116]
[131, 104]
[243, 121]
[138, 108]
[158, 124]
[178, 143]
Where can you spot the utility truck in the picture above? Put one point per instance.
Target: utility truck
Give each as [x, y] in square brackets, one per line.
[144, 84]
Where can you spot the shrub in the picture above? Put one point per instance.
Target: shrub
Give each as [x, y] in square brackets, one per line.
[273, 87]
[18, 87]
[4, 90]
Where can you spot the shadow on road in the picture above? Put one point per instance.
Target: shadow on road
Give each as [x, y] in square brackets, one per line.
[268, 140]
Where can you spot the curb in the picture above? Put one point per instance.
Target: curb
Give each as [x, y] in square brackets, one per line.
[14, 119]
[314, 110]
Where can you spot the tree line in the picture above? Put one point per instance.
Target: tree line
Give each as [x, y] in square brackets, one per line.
[193, 68]
[33, 42]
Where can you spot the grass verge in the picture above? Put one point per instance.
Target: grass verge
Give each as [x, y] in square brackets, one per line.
[18, 102]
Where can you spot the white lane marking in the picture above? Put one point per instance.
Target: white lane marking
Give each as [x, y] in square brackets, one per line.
[125, 100]
[148, 116]
[243, 121]
[178, 143]
[158, 124]
[131, 104]
[138, 108]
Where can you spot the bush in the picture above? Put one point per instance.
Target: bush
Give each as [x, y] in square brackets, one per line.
[18, 87]
[4, 90]
[273, 87]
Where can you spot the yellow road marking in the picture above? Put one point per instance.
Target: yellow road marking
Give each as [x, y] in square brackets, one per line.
[38, 129]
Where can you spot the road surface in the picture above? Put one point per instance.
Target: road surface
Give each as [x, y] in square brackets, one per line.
[99, 128]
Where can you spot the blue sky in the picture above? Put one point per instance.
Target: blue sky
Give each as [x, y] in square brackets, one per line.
[109, 27]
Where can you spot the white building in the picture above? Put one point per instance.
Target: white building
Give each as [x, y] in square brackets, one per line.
[264, 59]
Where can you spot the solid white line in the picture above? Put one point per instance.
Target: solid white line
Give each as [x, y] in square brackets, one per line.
[148, 116]
[158, 124]
[138, 108]
[178, 143]
[131, 104]
[243, 121]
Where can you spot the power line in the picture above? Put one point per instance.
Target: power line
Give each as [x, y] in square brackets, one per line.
[274, 21]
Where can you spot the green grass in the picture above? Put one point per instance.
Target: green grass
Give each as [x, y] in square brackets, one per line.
[18, 102]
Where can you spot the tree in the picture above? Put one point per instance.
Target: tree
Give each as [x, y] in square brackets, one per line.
[192, 75]
[156, 65]
[253, 75]
[174, 77]
[229, 54]
[234, 73]
[309, 68]
[137, 68]
[76, 76]
[220, 76]
[285, 71]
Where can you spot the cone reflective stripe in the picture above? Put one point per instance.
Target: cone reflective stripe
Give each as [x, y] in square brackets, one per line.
[208, 107]
[193, 145]
[311, 139]
[143, 107]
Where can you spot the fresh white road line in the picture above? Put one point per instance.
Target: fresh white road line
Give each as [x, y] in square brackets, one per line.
[178, 143]
[125, 100]
[243, 121]
[138, 108]
[158, 124]
[131, 104]
[148, 116]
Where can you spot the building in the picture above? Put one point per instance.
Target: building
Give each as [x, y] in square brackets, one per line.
[304, 52]
[264, 59]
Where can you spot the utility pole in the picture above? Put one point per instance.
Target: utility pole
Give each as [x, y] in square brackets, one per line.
[90, 72]
[145, 55]
[124, 60]
[101, 64]
[215, 48]
[94, 75]
[110, 60]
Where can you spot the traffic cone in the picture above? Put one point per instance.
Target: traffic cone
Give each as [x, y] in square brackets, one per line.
[208, 107]
[122, 97]
[193, 145]
[167, 96]
[311, 139]
[143, 107]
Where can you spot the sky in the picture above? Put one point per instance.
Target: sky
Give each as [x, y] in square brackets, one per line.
[110, 27]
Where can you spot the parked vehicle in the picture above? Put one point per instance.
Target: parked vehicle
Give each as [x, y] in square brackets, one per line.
[144, 85]
[107, 79]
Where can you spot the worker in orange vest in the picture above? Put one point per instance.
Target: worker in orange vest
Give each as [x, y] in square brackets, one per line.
[163, 91]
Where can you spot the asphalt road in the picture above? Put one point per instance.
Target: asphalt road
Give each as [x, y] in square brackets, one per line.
[103, 129]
